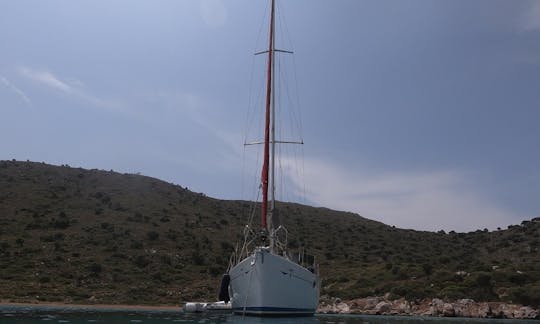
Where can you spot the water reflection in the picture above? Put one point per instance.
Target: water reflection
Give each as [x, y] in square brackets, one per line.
[79, 315]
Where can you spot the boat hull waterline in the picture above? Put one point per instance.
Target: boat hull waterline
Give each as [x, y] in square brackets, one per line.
[268, 284]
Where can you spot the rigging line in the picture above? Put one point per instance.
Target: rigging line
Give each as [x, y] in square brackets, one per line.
[282, 72]
[280, 126]
[249, 122]
[254, 184]
[248, 233]
[262, 25]
[284, 192]
[253, 198]
[292, 109]
[250, 97]
[251, 187]
[255, 178]
[286, 33]
[296, 170]
[291, 44]
[242, 175]
[292, 165]
[260, 118]
[282, 77]
[292, 116]
[296, 124]
[279, 18]
[284, 150]
[255, 181]
[254, 114]
[253, 208]
[294, 155]
[300, 127]
[295, 120]
[279, 130]
[293, 174]
[252, 72]
[303, 175]
[246, 125]
[253, 104]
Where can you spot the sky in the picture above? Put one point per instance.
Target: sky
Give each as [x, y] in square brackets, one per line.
[419, 114]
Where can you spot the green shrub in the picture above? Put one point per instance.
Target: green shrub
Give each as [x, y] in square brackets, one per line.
[412, 290]
[197, 258]
[141, 261]
[529, 295]
[478, 280]
[60, 223]
[226, 246]
[215, 271]
[44, 279]
[95, 268]
[152, 235]
[453, 292]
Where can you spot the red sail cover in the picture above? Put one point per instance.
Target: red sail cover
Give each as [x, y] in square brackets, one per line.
[264, 175]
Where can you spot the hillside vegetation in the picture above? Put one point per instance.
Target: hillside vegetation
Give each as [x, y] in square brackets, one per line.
[75, 235]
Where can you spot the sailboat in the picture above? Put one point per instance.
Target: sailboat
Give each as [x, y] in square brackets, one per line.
[268, 279]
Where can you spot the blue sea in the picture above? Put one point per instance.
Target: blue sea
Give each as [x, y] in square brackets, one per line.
[45, 315]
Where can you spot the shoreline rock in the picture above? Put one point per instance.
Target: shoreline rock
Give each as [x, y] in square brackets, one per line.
[427, 307]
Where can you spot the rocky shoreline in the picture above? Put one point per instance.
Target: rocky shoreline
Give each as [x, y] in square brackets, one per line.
[426, 307]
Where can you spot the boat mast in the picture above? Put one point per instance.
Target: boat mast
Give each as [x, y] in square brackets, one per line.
[269, 103]
[273, 138]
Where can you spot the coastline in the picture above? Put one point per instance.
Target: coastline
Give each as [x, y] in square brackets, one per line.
[98, 307]
[464, 308]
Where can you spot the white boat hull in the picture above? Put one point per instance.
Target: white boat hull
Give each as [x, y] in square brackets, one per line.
[269, 284]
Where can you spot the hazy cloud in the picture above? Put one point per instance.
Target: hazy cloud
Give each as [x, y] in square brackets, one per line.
[15, 90]
[72, 87]
[420, 200]
[213, 12]
[197, 110]
[46, 78]
[530, 19]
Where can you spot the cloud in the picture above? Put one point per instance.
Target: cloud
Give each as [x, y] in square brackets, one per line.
[420, 200]
[530, 18]
[213, 12]
[47, 79]
[200, 111]
[15, 90]
[73, 87]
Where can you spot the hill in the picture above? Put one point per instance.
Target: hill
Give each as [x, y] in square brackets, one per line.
[75, 235]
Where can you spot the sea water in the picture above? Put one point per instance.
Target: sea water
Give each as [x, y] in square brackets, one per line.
[49, 315]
